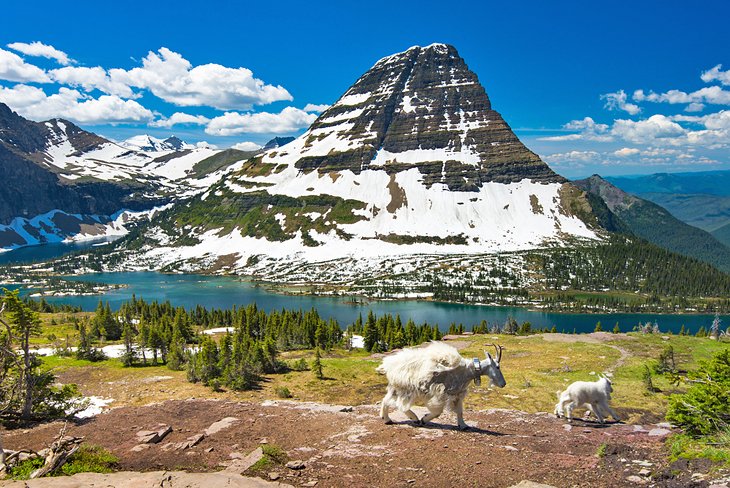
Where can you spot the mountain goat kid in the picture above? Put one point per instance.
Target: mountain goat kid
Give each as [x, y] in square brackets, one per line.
[436, 376]
[593, 395]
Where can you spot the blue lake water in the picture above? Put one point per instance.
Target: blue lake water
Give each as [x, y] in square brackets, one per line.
[224, 292]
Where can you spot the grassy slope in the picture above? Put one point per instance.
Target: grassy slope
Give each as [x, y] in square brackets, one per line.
[535, 368]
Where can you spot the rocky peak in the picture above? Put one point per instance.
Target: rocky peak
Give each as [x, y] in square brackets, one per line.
[19, 135]
[615, 198]
[175, 143]
[277, 142]
[421, 108]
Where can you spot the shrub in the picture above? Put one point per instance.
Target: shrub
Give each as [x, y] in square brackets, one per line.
[300, 365]
[705, 407]
[90, 459]
[666, 361]
[283, 392]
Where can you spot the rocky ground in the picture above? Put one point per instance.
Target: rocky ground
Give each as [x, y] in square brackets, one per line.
[341, 446]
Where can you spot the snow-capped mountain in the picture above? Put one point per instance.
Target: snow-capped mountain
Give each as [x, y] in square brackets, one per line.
[147, 143]
[62, 182]
[411, 160]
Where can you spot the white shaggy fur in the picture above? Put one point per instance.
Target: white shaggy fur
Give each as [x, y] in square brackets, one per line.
[436, 376]
[593, 395]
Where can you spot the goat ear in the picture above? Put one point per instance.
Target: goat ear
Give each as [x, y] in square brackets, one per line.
[489, 356]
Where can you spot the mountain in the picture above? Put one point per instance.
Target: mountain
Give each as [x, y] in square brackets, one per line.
[411, 160]
[723, 234]
[700, 182]
[701, 199]
[655, 224]
[62, 182]
[277, 142]
[148, 143]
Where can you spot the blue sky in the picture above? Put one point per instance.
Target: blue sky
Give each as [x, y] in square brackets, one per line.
[563, 74]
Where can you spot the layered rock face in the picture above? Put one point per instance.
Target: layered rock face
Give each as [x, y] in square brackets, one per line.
[421, 108]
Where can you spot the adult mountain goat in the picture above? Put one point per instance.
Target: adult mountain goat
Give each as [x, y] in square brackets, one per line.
[436, 376]
[594, 395]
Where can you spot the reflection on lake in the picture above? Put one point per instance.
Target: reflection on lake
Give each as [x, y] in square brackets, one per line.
[52, 250]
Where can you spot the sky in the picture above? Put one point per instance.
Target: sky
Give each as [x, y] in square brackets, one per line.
[614, 88]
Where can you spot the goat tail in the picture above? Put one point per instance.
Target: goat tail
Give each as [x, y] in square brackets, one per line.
[558, 393]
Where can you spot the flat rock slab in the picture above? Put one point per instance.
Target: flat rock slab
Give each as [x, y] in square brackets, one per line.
[192, 441]
[240, 465]
[168, 479]
[153, 436]
[659, 432]
[224, 423]
[530, 484]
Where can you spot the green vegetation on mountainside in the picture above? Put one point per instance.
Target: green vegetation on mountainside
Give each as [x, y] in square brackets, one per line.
[653, 223]
[260, 214]
[220, 160]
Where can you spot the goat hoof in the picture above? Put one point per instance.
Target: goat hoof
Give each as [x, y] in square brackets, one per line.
[388, 422]
[464, 427]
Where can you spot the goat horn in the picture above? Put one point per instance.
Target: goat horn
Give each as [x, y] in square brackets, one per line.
[498, 350]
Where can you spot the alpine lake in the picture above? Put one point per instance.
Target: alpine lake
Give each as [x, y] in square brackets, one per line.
[189, 290]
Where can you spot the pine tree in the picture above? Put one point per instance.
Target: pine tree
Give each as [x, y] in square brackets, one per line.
[317, 365]
[370, 333]
[129, 356]
[598, 327]
[616, 329]
[24, 323]
[176, 356]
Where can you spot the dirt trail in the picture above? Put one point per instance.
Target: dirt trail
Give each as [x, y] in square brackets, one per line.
[351, 447]
[594, 338]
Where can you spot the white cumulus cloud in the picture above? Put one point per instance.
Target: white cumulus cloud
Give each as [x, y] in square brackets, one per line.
[626, 152]
[716, 74]
[37, 48]
[92, 78]
[648, 130]
[288, 120]
[709, 94]
[695, 107]
[172, 78]
[312, 107]
[246, 146]
[619, 101]
[14, 68]
[587, 129]
[35, 104]
[179, 118]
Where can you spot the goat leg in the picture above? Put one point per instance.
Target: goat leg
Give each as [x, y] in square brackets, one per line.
[459, 410]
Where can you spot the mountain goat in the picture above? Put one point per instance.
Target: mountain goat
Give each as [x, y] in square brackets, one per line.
[594, 395]
[436, 376]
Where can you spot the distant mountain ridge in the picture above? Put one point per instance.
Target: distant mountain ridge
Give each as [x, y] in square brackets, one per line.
[704, 182]
[655, 224]
[701, 199]
[63, 182]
